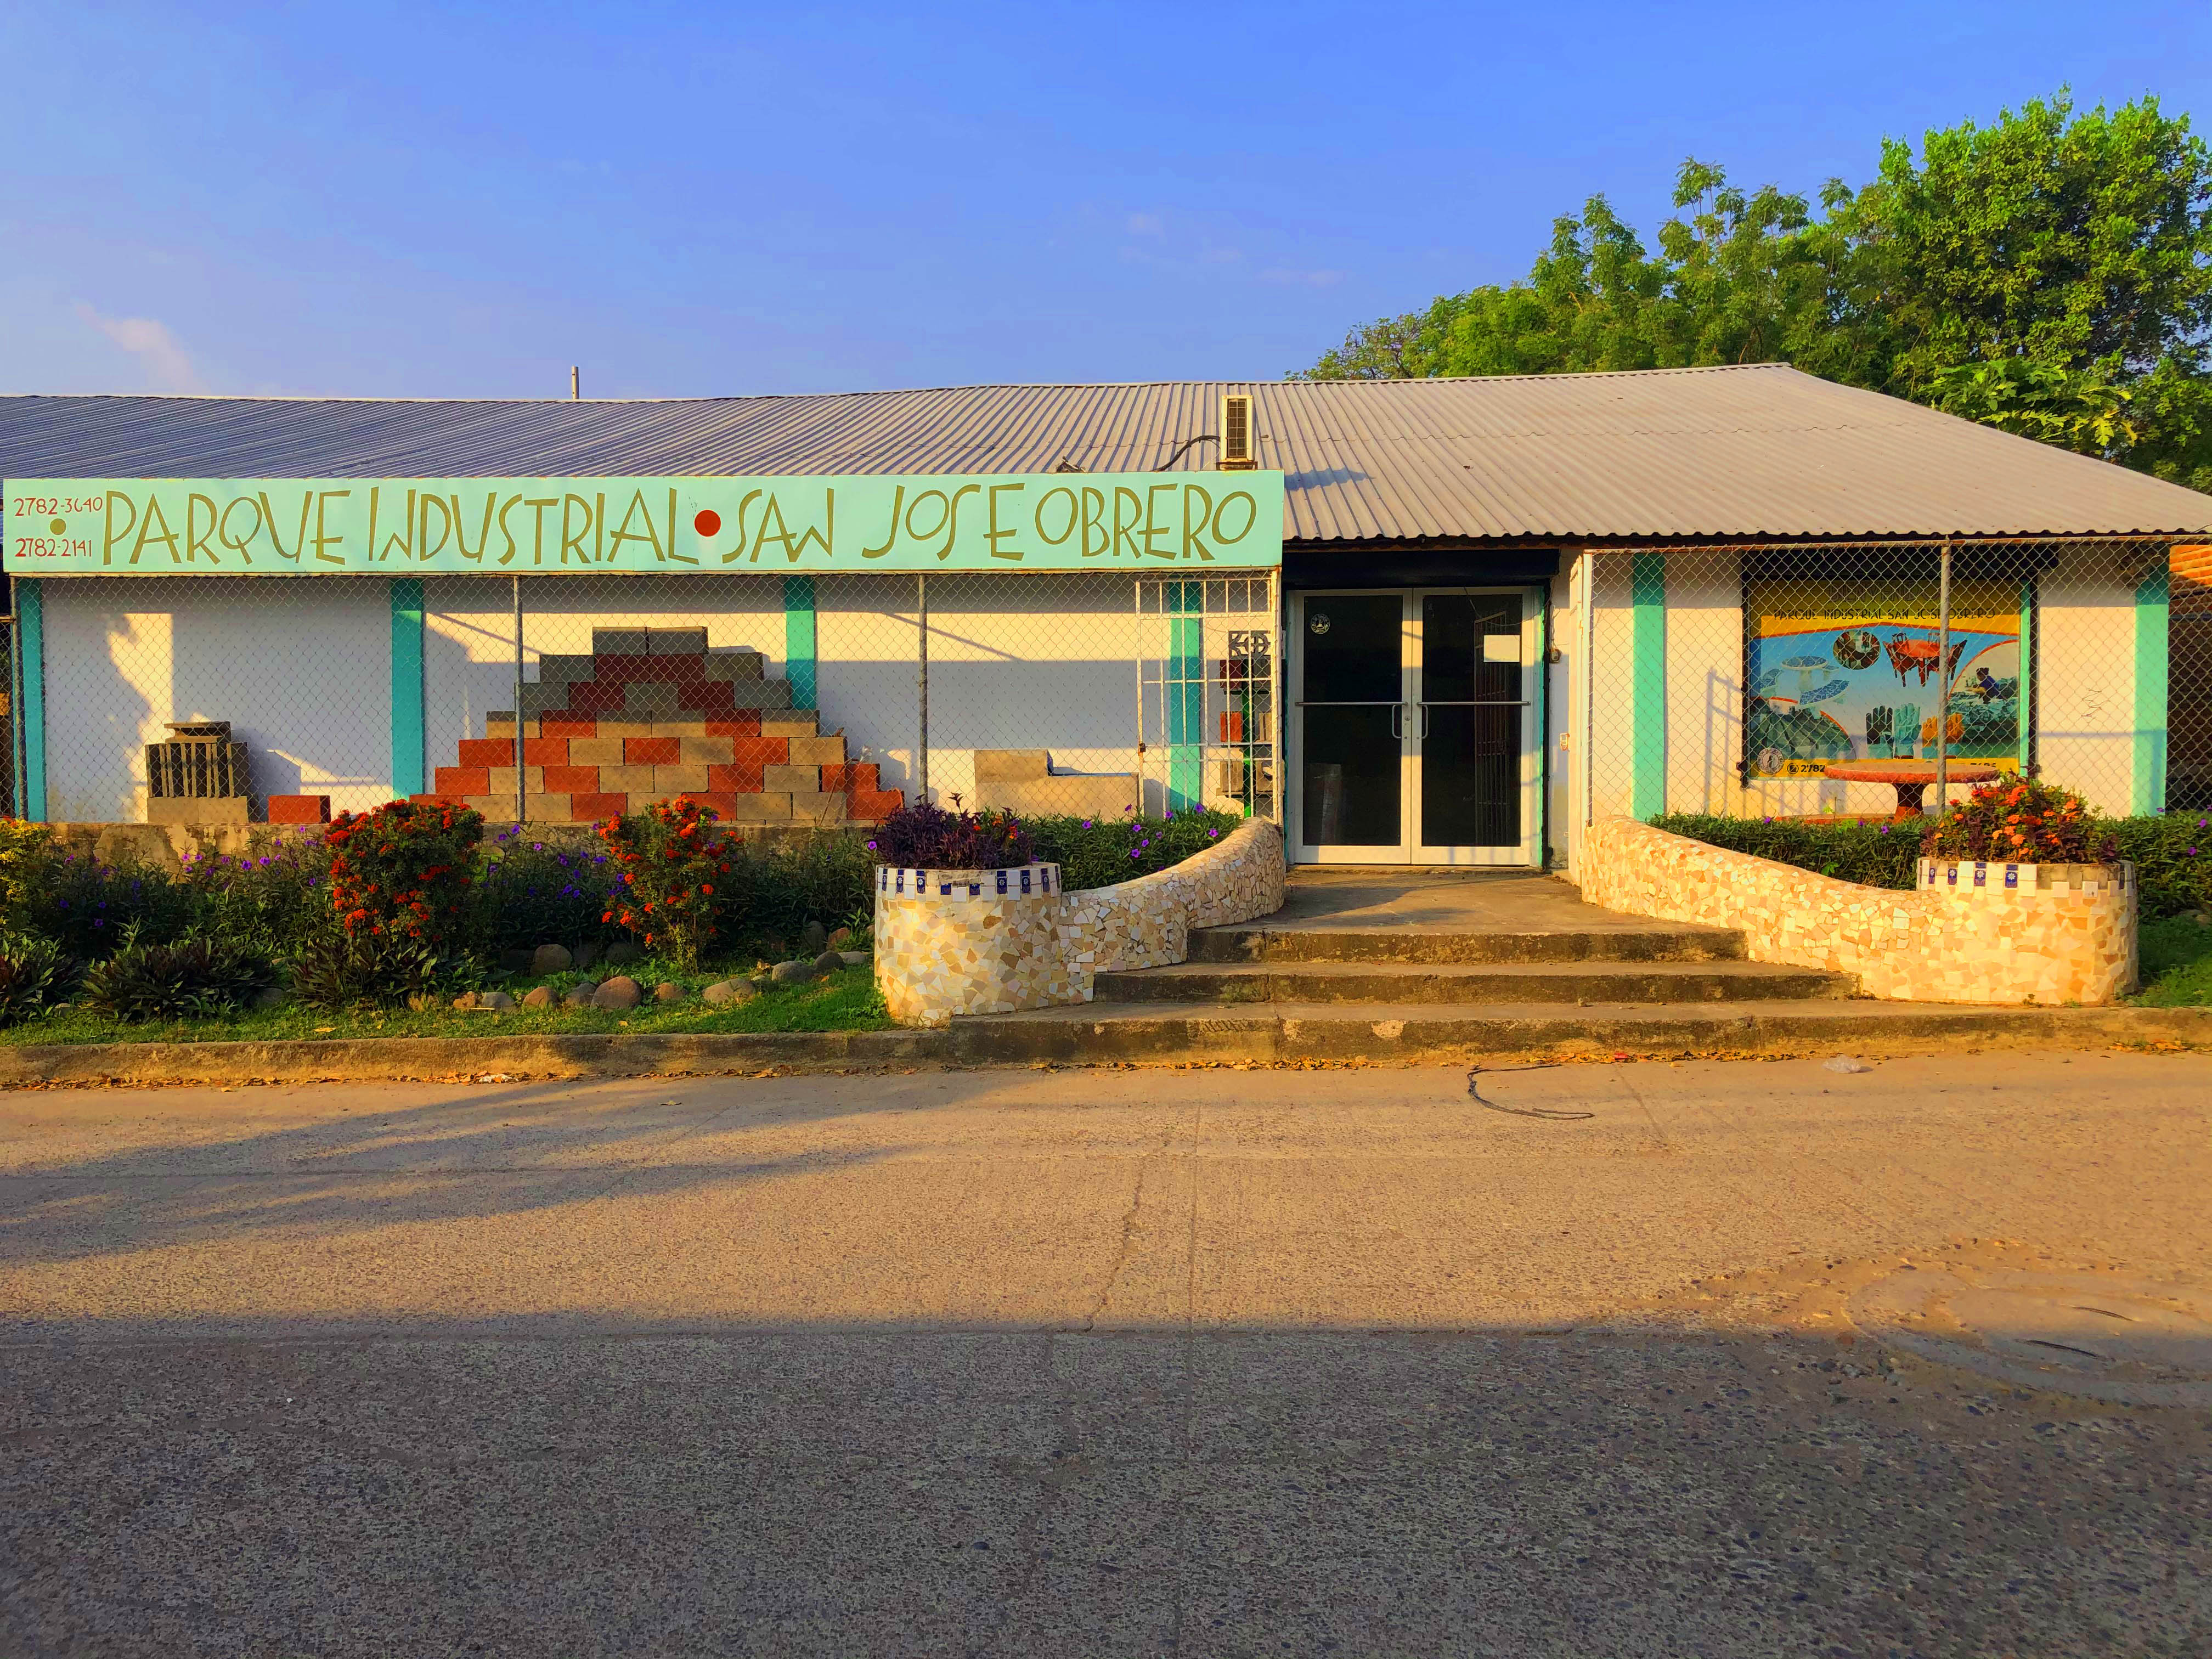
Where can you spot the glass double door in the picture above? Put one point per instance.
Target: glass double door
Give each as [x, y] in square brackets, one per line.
[1413, 727]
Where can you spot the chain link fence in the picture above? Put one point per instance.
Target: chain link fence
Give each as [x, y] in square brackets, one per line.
[781, 701]
[1839, 681]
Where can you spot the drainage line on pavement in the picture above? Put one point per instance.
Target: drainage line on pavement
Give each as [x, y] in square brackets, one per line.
[1544, 1112]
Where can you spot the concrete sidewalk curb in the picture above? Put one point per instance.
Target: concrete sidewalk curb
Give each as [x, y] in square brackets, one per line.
[1007, 1040]
[582, 1054]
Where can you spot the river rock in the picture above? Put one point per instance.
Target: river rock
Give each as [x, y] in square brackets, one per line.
[829, 962]
[856, 958]
[539, 997]
[839, 940]
[792, 973]
[272, 996]
[580, 995]
[620, 992]
[668, 991]
[497, 1001]
[732, 990]
[552, 959]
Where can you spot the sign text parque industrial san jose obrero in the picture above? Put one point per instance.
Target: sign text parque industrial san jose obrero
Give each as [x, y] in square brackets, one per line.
[1052, 522]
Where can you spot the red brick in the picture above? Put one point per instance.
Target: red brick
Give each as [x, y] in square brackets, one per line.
[872, 804]
[761, 752]
[590, 809]
[464, 779]
[611, 669]
[545, 752]
[850, 777]
[570, 724]
[572, 780]
[744, 779]
[299, 809]
[487, 752]
[651, 751]
[737, 725]
[594, 697]
[722, 800]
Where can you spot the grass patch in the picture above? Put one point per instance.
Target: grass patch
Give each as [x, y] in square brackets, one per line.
[2177, 963]
[847, 1000]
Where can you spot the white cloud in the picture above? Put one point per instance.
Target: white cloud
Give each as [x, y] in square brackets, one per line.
[167, 364]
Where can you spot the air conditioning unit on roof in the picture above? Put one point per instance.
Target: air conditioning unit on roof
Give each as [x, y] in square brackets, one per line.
[1237, 438]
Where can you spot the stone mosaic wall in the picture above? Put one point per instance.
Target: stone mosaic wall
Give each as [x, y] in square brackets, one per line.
[2004, 934]
[951, 942]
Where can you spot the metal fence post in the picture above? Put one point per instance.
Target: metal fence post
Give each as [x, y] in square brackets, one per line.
[519, 751]
[1943, 683]
[921, 684]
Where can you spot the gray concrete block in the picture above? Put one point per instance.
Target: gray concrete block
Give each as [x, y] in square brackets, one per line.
[760, 694]
[816, 807]
[564, 670]
[1011, 765]
[652, 697]
[618, 643]
[805, 778]
[800, 724]
[1078, 794]
[539, 698]
[742, 664]
[675, 641]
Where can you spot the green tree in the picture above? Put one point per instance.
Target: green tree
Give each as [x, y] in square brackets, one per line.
[2050, 274]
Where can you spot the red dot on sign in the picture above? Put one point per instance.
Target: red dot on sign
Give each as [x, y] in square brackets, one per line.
[708, 522]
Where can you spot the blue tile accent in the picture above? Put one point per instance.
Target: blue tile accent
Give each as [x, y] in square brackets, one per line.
[1951, 875]
[975, 890]
[1025, 881]
[2012, 875]
[945, 889]
[1002, 881]
[1981, 874]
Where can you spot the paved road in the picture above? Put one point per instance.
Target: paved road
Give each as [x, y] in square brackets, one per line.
[1143, 1362]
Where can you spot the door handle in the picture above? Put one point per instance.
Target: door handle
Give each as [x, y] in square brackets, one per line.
[1397, 722]
[1424, 721]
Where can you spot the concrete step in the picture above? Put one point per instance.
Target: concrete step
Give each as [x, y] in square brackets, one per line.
[1279, 1032]
[1461, 983]
[1657, 942]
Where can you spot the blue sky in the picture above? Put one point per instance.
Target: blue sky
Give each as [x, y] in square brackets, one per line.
[697, 200]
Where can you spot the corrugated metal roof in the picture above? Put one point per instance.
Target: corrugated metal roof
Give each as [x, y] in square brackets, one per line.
[1730, 454]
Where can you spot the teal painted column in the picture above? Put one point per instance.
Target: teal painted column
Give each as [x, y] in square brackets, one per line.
[2027, 694]
[408, 773]
[2152, 603]
[31, 710]
[1647, 676]
[798, 646]
[1184, 692]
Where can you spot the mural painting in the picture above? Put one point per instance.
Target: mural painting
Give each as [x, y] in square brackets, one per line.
[1842, 672]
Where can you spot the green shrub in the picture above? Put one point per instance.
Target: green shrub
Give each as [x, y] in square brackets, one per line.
[2020, 821]
[672, 869]
[1099, 852]
[1872, 855]
[25, 848]
[776, 890]
[90, 907]
[403, 869]
[268, 900]
[33, 972]
[339, 970]
[2171, 853]
[539, 891]
[171, 981]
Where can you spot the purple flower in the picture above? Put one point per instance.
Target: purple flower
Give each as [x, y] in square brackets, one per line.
[1211, 833]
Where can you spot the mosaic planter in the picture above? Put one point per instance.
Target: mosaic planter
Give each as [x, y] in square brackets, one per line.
[970, 942]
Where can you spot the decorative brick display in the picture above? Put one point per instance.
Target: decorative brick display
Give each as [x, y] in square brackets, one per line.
[994, 941]
[652, 714]
[299, 809]
[1989, 933]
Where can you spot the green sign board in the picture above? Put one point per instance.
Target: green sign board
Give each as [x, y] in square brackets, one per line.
[1160, 522]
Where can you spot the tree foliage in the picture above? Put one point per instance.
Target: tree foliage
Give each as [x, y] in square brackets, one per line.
[2050, 274]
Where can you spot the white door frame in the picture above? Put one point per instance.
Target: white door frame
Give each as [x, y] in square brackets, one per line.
[1411, 724]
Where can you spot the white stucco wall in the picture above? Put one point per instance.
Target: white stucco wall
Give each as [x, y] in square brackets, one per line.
[300, 666]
